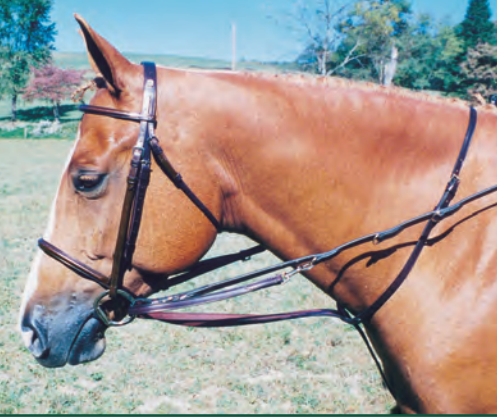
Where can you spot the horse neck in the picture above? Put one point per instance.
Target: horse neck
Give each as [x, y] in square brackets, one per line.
[304, 166]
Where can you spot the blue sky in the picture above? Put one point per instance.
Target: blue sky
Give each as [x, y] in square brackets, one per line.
[202, 28]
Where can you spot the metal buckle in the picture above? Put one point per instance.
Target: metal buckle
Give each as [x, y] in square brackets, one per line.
[102, 315]
[138, 151]
[299, 269]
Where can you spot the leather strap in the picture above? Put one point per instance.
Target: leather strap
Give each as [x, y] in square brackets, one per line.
[116, 114]
[141, 155]
[176, 178]
[215, 320]
[72, 264]
[215, 263]
[137, 184]
[448, 195]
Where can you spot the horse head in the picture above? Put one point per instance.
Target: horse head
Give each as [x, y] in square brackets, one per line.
[57, 321]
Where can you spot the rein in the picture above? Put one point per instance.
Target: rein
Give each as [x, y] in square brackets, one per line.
[162, 309]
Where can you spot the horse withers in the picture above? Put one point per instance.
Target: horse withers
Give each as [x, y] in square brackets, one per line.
[299, 164]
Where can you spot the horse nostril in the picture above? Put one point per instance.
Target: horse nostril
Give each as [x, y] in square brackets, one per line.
[35, 339]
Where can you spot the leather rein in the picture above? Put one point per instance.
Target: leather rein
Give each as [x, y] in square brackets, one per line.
[163, 308]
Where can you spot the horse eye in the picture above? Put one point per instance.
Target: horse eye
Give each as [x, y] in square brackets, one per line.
[89, 183]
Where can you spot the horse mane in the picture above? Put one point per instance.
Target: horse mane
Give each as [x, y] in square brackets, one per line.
[308, 79]
[320, 81]
[95, 83]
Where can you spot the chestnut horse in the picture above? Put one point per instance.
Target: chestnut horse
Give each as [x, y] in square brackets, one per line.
[300, 165]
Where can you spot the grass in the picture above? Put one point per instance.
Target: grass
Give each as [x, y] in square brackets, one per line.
[34, 120]
[314, 366]
[36, 131]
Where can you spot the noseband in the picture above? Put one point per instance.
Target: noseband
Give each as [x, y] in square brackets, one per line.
[161, 309]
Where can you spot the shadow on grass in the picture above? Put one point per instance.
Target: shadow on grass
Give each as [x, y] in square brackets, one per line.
[38, 113]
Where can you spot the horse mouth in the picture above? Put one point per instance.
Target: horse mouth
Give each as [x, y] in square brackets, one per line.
[87, 345]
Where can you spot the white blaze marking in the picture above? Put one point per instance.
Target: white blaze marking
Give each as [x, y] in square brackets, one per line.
[32, 282]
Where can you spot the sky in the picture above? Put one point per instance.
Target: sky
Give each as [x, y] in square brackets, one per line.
[203, 28]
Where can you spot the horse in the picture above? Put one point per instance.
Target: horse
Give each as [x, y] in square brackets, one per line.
[300, 165]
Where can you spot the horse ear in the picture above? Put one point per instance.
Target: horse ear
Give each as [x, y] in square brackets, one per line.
[104, 58]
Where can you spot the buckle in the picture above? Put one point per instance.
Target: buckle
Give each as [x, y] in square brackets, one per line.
[138, 152]
[299, 269]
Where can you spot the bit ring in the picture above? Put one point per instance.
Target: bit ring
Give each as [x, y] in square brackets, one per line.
[102, 315]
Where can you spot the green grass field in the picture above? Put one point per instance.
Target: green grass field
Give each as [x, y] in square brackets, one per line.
[317, 366]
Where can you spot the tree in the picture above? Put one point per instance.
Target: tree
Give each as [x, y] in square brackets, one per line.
[428, 56]
[53, 84]
[376, 26]
[477, 26]
[480, 70]
[357, 36]
[475, 30]
[384, 42]
[26, 40]
[318, 21]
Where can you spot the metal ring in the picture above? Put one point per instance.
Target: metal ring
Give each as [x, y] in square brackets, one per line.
[376, 239]
[102, 315]
[436, 217]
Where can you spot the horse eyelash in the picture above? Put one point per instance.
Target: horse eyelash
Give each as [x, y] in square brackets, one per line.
[94, 192]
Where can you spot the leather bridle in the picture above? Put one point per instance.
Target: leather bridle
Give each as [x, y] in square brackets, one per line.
[162, 309]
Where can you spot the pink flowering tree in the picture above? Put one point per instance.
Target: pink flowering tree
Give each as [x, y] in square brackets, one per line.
[53, 84]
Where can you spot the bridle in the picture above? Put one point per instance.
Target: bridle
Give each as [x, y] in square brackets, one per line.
[162, 309]
[131, 213]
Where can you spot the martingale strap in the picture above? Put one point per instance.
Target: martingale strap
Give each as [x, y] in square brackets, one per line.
[161, 309]
[448, 195]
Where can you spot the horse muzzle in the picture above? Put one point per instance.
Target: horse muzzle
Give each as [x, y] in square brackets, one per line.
[72, 337]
